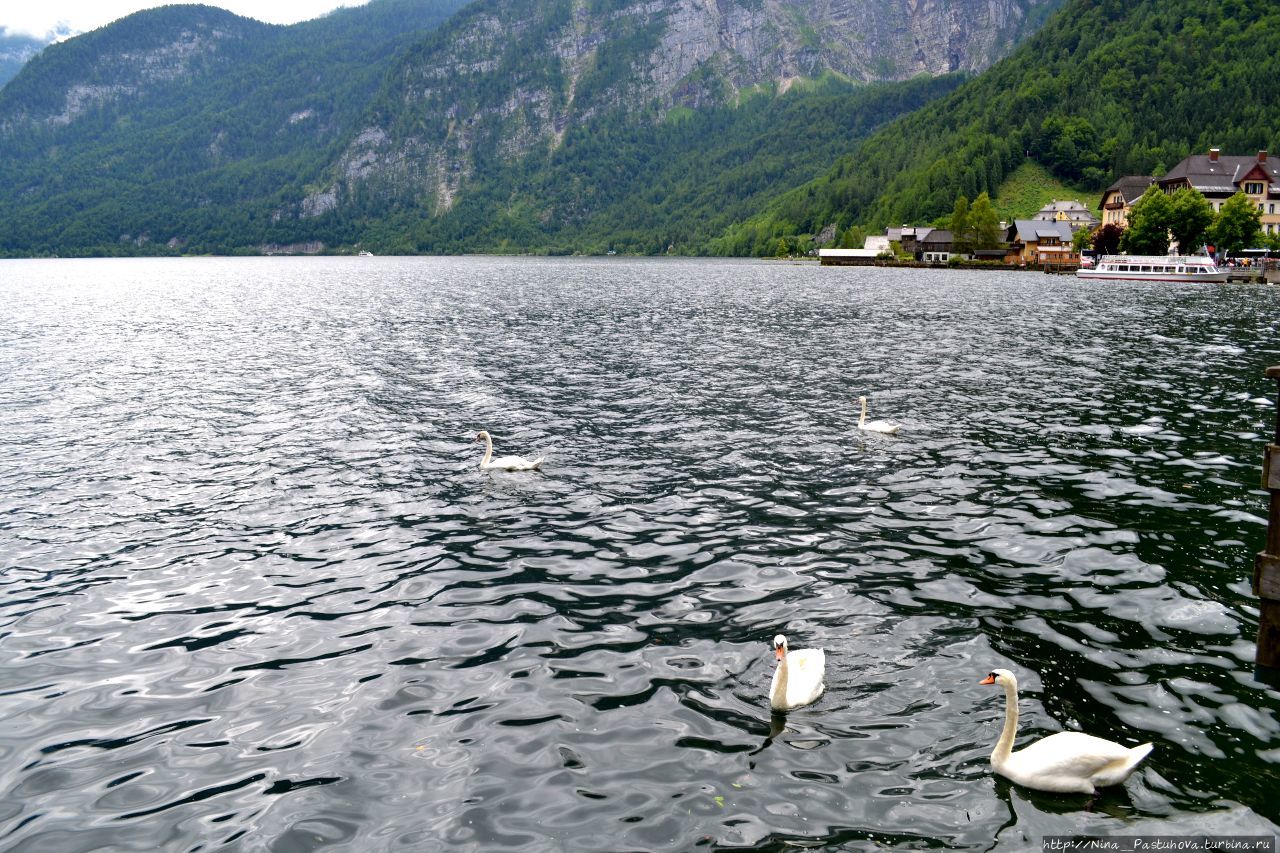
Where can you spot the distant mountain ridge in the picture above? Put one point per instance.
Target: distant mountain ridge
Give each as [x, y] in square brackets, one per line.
[414, 124]
[15, 50]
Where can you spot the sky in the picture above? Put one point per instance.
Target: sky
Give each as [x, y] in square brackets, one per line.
[76, 16]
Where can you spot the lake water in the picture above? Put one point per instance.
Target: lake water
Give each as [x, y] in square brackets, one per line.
[256, 594]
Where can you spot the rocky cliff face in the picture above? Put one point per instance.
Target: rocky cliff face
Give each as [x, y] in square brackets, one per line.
[510, 77]
[128, 61]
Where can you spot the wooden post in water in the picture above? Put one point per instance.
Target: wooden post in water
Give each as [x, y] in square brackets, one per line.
[1266, 572]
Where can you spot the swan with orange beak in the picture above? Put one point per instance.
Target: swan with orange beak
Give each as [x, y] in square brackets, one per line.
[1066, 762]
[798, 680]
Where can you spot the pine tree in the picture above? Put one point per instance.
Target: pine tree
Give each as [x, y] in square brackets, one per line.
[985, 223]
[961, 227]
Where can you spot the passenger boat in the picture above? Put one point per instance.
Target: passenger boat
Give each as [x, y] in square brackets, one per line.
[1154, 268]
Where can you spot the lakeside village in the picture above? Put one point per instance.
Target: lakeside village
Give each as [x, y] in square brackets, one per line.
[1227, 206]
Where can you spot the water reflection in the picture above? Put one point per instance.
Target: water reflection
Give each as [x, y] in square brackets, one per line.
[256, 592]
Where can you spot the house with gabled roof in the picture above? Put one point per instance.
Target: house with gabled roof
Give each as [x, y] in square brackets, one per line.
[1119, 198]
[1218, 177]
[1067, 211]
[1036, 241]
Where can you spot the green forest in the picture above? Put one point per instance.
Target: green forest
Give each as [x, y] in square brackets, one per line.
[655, 186]
[209, 149]
[1108, 88]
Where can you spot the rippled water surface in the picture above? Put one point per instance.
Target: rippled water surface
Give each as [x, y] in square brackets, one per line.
[256, 594]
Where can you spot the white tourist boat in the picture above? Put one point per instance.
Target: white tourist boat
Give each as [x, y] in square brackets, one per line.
[1154, 268]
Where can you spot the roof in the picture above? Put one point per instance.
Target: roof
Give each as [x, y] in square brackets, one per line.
[1056, 206]
[919, 233]
[1220, 176]
[1130, 188]
[847, 253]
[1031, 230]
[936, 235]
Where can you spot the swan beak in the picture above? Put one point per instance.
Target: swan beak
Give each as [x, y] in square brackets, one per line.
[990, 679]
[778, 653]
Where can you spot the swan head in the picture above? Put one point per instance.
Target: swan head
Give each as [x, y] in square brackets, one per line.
[780, 647]
[862, 399]
[482, 436]
[1003, 677]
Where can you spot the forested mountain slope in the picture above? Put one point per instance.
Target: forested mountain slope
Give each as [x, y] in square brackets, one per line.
[186, 111]
[518, 124]
[1109, 88]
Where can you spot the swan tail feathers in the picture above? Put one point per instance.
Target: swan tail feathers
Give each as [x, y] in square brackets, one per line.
[1119, 770]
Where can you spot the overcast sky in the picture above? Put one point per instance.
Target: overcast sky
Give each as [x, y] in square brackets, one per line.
[39, 17]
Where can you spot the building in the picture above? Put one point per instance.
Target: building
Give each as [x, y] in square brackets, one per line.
[1067, 211]
[1038, 241]
[1218, 177]
[931, 245]
[936, 247]
[908, 237]
[1118, 199]
[878, 243]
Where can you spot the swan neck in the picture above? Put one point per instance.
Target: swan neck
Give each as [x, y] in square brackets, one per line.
[1004, 746]
[779, 697]
[862, 418]
[488, 450]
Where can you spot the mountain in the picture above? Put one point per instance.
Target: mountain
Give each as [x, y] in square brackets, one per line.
[1111, 88]
[515, 90]
[185, 111]
[15, 50]
[398, 126]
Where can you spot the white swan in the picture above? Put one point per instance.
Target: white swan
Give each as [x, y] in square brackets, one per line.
[1066, 762]
[798, 679]
[504, 463]
[874, 426]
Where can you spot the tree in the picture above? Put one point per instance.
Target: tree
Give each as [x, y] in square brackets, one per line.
[961, 227]
[1081, 239]
[985, 223]
[1149, 220]
[853, 238]
[1106, 240]
[1191, 217]
[1237, 226]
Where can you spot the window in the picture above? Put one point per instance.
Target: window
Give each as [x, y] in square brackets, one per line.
[1253, 188]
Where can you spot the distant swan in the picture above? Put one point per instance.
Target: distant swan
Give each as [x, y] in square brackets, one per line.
[1066, 762]
[874, 426]
[503, 463]
[798, 679]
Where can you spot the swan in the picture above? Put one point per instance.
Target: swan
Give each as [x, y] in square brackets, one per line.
[874, 426]
[504, 463]
[1066, 762]
[798, 679]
